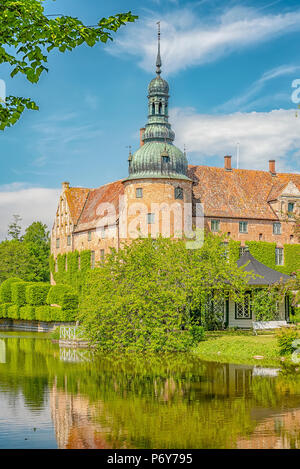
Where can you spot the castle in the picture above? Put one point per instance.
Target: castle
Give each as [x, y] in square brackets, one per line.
[246, 205]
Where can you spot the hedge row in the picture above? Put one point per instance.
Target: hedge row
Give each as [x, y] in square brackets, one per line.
[36, 313]
[37, 301]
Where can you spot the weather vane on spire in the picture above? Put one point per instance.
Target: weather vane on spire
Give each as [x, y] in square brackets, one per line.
[158, 60]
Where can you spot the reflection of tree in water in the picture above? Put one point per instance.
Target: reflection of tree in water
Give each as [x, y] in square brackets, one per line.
[157, 401]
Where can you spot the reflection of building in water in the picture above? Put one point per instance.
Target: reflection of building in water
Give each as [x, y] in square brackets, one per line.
[281, 431]
[74, 422]
[74, 355]
[2, 351]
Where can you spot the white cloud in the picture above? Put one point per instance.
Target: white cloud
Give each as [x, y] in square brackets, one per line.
[187, 40]
[243, 102]
[31, 203]
[261, 135]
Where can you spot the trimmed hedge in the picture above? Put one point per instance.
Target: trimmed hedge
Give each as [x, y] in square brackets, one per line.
[13, 312]
[43, 313]
[5, 289]
[36, 293]
[56, 294]
[18, 293]
[4, 309]
[27, 312]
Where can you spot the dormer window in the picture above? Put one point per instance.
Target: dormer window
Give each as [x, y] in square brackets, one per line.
[165, 159]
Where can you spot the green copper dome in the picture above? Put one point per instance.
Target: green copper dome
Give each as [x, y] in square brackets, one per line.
[158, 85]
[158, 160]
[158, 157]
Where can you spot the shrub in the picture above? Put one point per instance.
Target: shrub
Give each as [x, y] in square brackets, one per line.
[36, 293]
[56, 294]
[3, 309]
[13, 312]
[68, 315]
[295, 318]
[264, 304]
[18, 293]
[43, 313]
[285, 338]
[70, 302]
[197, 333]
[27, 312]
[5, 289]
[55, 313]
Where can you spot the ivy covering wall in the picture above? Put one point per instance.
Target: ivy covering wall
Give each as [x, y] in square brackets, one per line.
[70, 268]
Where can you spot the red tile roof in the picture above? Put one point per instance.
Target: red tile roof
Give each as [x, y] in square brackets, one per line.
[240, 193]
[91, 212]
[76, 197]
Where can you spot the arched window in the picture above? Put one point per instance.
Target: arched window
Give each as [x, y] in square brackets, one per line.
[178, 193]
[153, 108]
[159, 108]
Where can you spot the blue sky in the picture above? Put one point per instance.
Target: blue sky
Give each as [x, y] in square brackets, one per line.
[230, 66]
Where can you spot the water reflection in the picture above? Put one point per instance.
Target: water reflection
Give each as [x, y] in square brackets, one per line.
[159, 402]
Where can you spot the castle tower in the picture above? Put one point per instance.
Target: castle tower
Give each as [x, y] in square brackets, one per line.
[158, 169]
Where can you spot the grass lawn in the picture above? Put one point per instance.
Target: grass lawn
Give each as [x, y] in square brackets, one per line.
[239, 348]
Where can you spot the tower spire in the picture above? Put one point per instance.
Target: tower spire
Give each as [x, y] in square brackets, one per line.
[158, 59]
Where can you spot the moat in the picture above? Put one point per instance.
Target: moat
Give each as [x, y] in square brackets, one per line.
[52, 397]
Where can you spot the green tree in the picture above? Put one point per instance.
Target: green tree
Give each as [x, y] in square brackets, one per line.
[14, 259]
[26, 257]
[14, 228]
[143, 296]
[27, 36]
[37, 243]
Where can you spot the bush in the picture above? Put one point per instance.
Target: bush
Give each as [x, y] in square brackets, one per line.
[4, 309]
[70, 302]
[13, 312]
[55, 313]
[68, 315]
[295, 318]
[5, 289]
[43, 313]
[18, 293]
[56, 294]
[197, 333]
[27, 313]
[285, 338]
[264, 304]
[36, 293]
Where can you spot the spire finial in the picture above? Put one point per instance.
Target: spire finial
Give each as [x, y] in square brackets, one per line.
[158, 60]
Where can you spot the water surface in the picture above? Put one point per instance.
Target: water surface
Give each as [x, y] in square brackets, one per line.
[52, 397]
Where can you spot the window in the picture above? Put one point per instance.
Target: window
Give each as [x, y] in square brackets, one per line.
[92, 259]
[215, 225]
[243, 227]
[139, 193]
[150, 218]
[102, 254]
[277, 228]
[103, 231]
[279, 256]
[89, 236]
[291, 206]
[165, 159]
[260, 237]
[243, 309]
[57, 242]
[178, 193]
[69, 240]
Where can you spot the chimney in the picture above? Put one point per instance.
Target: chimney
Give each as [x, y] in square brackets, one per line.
[227, 163]
[142, 131]
[272, 168]
[65, 185]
